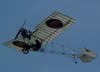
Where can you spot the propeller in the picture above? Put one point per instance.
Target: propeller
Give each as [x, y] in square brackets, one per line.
[19, 30]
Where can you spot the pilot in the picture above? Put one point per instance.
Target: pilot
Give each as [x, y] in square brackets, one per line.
[36, 46]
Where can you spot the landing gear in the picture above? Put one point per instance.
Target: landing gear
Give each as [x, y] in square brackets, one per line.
[25, 47]
[25, 51]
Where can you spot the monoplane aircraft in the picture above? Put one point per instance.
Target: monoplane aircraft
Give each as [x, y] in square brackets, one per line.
[26, 40]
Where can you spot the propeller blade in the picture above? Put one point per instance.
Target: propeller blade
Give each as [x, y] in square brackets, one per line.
[17, 34]
[19, 30]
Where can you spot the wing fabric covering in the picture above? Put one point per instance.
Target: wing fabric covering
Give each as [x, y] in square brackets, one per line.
[47, 32]
[11, 45]
[87, 55]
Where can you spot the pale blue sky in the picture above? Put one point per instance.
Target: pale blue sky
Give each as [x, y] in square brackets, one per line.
[85, 32]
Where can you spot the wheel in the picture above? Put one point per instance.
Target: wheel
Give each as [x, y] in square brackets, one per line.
[25, 51]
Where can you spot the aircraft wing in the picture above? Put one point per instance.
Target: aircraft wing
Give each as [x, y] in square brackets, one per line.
[11, 45]
[52, 26]
[47, 30]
